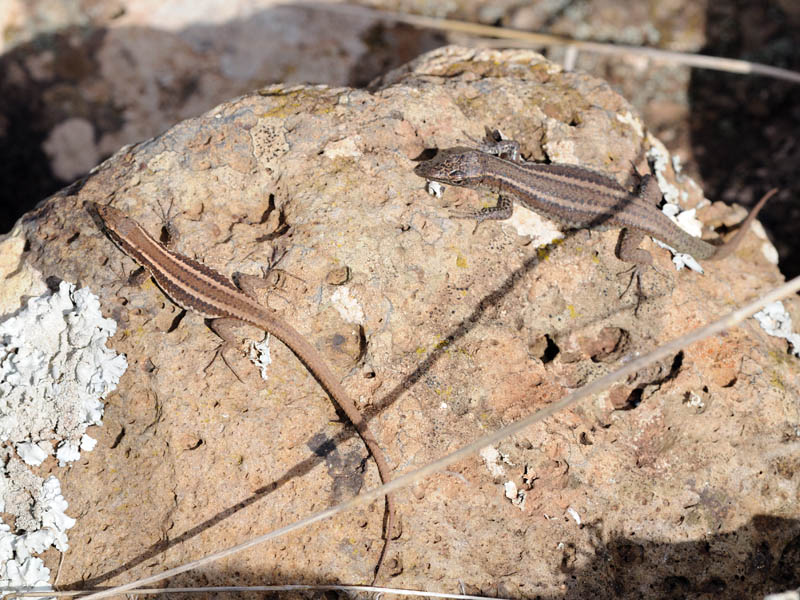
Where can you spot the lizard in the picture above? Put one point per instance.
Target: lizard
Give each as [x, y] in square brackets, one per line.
[576, 197]
[195, 287]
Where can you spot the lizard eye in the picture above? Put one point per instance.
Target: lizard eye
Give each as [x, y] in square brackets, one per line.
[457, 174]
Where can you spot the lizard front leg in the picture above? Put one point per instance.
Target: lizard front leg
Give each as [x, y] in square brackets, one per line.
[627, 249]
[225, 329]
[502, 210]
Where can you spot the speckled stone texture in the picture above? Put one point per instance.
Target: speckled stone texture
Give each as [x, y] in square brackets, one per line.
[682, 481]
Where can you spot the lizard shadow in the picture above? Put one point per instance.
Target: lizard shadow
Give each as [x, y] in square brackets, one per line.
[323, 450]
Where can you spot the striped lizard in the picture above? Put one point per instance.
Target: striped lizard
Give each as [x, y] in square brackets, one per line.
[573, 196]
[196, 287]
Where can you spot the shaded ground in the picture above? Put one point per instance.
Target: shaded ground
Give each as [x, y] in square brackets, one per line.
[745, 131]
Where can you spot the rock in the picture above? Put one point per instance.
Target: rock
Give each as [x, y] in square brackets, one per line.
[438, 331]
[79, 81]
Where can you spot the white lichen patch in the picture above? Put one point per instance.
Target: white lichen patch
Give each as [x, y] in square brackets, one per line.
[17, 572]
[688, 221]
[39, 511]
[768, 251]
[54, 370]
[514, 494]
[435, 189]
[776, 321]
[55, 367]
[634, 122]
[676, 164]
[659, 156]
[510, 489]
[696, 401]
[347, 306]
[33, 454]
[260, 356]
[491, 457]
[575, 515]
[347, 148]
[685, 219]
[661, 159]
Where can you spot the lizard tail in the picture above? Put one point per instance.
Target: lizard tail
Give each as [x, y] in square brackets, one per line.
[731, 245]
[309, 356]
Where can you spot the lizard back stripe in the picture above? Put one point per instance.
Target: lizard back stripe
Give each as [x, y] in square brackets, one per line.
[578, 197]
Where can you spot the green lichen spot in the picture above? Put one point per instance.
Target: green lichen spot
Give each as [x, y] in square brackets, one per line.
[307, 101]
[776, 380]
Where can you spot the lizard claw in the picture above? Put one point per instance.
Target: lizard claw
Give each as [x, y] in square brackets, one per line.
[220, 352]
[469, 216]
[499, 212]
[636, 275]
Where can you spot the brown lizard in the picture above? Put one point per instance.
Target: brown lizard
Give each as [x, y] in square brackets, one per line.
[196, 287]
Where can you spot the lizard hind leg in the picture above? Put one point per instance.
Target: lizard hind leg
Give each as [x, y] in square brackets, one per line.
[272, 279]
[495, 144]
[649, 190]
[628, 250]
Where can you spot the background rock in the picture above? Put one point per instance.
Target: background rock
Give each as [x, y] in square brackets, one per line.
[81, 78]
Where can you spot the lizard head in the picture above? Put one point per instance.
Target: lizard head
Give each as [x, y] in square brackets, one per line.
[453, 166]
[121, 229]
[115, 222]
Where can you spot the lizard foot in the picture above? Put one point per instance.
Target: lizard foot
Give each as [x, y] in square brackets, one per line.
[272, 279]
[636, 272]
[636, 275]
[469, 216]
[220, 352]
[169, 234]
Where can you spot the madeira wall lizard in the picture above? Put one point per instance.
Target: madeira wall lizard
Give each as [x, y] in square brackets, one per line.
[573, 196]
[196, 287]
